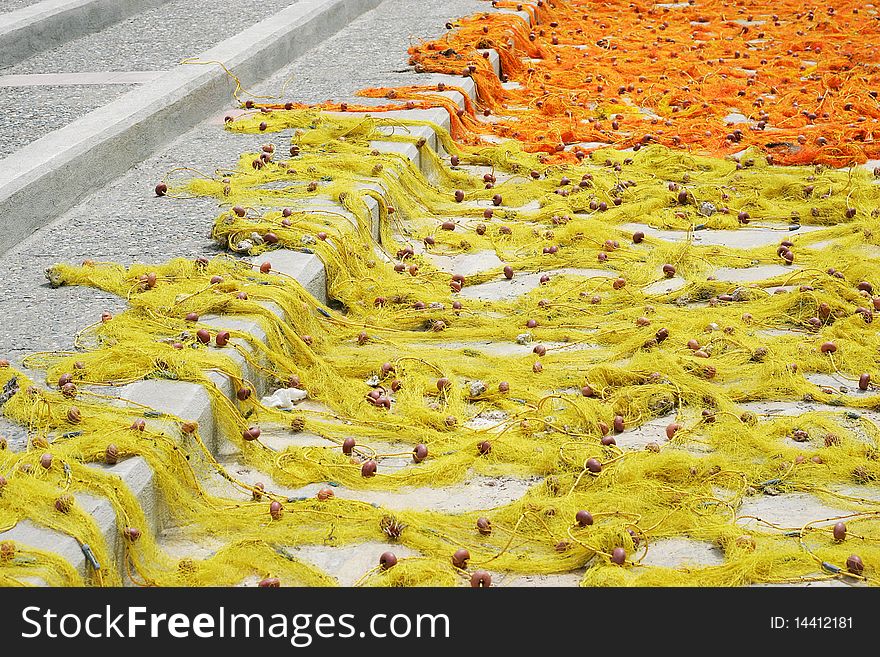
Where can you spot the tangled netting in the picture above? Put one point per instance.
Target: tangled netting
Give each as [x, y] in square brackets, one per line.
[520, 315]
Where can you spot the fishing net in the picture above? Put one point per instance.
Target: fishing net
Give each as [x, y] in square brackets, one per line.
[607, 293]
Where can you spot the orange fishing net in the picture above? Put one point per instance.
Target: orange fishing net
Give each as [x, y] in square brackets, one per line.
[799, 83]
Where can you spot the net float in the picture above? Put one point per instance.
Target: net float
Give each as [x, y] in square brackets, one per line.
[276, 510]
[481, 579]
[460, 558]
[854, 564]
[73, 415]
[369, 468]
[420, 453]
[387, 560]
[64, 503]
[484, 526]
[584, 518]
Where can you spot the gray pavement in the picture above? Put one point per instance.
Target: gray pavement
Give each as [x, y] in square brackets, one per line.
[125, 222]
[12, 5]
[31, 112]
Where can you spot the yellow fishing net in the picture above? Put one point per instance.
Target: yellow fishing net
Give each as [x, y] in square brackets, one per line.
[599, 327]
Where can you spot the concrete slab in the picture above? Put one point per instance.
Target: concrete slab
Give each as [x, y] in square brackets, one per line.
[665, 285]
[306, 268]
[505, 290]
[682, 553]
[475, 493]
[466, 264]
[509, 348]
[789, 510]
[348, 563]
[752, 274]
[562, 579]
[741, 238]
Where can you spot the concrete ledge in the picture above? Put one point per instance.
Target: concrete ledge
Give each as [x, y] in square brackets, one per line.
[48, 24]
[51, 175]
[306, 268]
[136, 475]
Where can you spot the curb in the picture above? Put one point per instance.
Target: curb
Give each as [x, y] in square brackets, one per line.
[50, 23]
[51, 175]
[191, 401]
